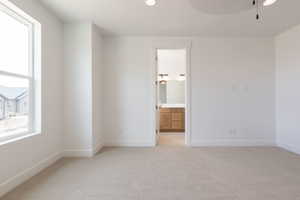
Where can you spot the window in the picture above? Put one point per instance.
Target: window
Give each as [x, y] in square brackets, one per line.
[19, 73]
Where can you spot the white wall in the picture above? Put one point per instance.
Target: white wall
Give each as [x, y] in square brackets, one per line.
[233, 91]
[22, 158]
[97, 45]
[287, 89]
[78, 88]
[83, 89]
[127, 100]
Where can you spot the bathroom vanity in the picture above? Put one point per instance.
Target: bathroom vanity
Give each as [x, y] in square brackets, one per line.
[172, 118]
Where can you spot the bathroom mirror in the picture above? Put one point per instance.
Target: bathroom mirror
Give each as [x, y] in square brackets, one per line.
[172, 92]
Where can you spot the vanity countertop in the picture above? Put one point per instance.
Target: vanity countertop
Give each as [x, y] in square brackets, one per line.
[172, 105]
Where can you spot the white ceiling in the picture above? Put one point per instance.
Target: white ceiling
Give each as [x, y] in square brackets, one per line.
[179, 17]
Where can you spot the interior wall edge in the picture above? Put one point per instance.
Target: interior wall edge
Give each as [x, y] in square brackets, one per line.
[78, 153]
[99, 145]
[129, 144]
[287, 45]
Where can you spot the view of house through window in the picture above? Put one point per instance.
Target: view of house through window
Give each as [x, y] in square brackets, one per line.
[13, 104]
[16, 77]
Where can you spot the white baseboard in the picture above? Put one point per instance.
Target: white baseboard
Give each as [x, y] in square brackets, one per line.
[290, 148]
[231, 143]
[128, 144]
[200, 143]
[85, 153]
[25, 175]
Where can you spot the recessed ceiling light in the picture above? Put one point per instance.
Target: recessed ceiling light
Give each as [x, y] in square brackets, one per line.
[150, 2]
[269, 2]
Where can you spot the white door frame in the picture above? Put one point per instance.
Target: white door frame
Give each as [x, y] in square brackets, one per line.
[172, 44]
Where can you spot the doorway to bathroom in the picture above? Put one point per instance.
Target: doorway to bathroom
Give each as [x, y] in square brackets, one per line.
[171, 97]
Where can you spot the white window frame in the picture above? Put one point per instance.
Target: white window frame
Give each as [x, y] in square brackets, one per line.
[34, 75]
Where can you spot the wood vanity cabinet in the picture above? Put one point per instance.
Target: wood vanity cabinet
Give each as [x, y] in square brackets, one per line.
[172, 119]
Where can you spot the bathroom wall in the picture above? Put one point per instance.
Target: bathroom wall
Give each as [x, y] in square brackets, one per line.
[175, 92]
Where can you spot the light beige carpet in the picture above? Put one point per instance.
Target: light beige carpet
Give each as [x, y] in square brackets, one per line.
[167, 173]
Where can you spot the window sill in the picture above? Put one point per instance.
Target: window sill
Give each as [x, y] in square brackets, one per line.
[16, 136]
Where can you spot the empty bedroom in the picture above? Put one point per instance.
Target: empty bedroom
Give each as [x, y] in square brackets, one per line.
[149, 99]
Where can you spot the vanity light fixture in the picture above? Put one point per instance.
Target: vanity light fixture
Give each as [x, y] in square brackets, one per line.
[181, 77]
[163, 78]
[150, 2]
